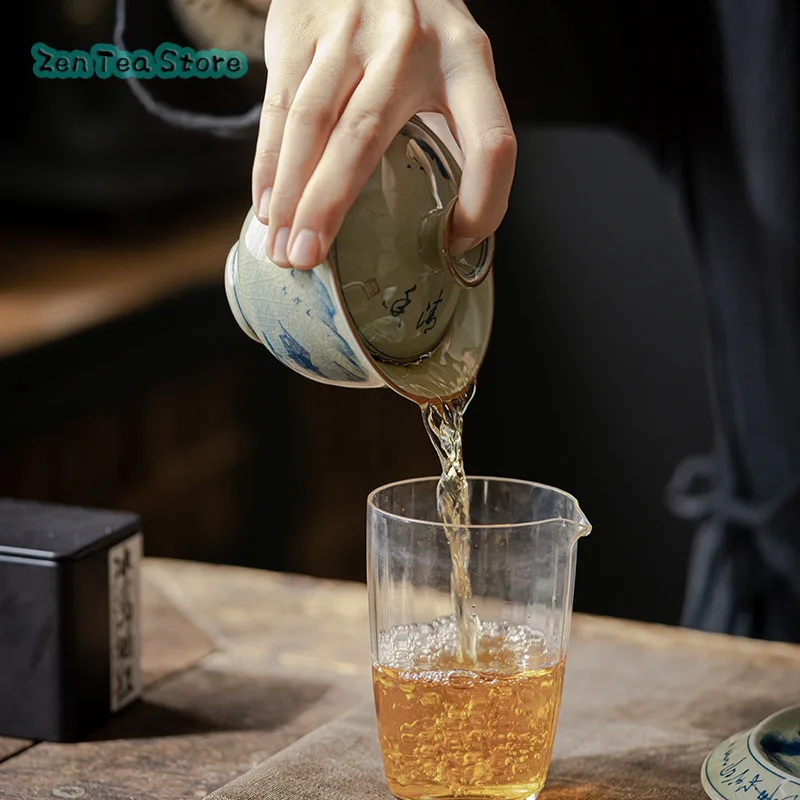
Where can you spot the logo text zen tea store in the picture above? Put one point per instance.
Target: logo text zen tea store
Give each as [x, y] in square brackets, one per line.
[107, 61]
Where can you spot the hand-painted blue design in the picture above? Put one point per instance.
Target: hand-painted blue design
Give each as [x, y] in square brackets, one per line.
[297, 353]
[234, 265]
[270, 346]
[351, 375]
[328, 314]
[426, 148]
[241, 311]
[782, 751]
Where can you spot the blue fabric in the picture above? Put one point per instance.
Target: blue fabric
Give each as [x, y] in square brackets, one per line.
[740, 187]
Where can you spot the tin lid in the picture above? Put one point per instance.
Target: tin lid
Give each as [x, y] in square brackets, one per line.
[53, 532]
[399, 282]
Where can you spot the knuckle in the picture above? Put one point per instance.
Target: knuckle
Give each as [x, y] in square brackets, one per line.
[283, 200]
[276, 105]
[281, 214]
[498, 143]
[266, 154]
[473, 40]
[315, 114]
[404, 33]
[363, 126]
[470, 49]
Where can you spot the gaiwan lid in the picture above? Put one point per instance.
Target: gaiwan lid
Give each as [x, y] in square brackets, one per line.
[762, 763]
[422, 314]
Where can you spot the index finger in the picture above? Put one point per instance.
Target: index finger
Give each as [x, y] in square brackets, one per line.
[377, 110]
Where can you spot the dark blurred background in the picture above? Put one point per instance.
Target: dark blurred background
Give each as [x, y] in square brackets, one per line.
[126, 383]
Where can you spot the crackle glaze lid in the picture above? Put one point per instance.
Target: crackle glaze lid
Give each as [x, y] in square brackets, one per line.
[399, 282]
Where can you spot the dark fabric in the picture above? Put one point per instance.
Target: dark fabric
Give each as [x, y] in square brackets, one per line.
[741, 192]
[710, 89]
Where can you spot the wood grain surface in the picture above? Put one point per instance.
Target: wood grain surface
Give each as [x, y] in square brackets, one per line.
[241, 663]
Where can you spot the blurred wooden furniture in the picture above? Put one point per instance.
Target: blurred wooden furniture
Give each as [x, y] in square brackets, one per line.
[126, 383]
[126, 386]
[56, 285]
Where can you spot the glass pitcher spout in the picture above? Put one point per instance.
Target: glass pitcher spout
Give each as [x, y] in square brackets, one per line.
[564, 532]
[558, 513]
[580, 527]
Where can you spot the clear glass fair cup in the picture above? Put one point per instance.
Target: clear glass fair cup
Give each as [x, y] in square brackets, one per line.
[470, 715]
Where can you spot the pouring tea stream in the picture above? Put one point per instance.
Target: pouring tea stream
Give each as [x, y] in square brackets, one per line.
[389, 306]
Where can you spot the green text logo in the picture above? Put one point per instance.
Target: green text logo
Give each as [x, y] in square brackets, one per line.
[107, 61]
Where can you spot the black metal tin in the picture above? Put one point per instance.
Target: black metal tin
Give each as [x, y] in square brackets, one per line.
[69, 618]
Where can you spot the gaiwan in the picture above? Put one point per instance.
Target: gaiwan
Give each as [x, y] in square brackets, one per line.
[389, 306]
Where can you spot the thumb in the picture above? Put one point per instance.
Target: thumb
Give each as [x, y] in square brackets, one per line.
[490, 154]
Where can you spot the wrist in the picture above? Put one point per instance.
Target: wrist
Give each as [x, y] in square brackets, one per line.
[225, 24]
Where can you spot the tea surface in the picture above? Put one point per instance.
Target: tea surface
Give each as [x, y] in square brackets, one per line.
[482, 732]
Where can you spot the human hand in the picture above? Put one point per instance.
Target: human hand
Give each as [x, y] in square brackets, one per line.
[343, 77]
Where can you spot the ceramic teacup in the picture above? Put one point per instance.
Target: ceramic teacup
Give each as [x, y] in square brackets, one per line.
[389, 306]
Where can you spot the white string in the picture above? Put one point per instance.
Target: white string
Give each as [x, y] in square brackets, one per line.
[216, 125]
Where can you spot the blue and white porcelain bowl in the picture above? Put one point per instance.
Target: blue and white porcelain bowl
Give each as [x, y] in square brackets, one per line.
[762, 763]
[389, 306]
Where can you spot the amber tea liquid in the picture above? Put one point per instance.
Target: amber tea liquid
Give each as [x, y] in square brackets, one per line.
[444, 423]
[482, 732]
[466, 707]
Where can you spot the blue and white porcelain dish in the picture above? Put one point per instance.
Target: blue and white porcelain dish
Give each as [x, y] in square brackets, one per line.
[389, 306]
[762, 763]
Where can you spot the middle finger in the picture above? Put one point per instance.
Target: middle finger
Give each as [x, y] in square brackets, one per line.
[317, 106]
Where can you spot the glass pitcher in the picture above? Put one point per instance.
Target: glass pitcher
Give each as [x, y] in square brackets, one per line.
[480, 723]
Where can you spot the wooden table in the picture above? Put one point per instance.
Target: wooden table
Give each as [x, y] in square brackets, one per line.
[240, 663]
[70, 284]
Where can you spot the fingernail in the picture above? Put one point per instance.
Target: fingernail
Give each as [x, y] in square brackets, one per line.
[279, 248]
[460, 246]
[263, 206]
[305, 250]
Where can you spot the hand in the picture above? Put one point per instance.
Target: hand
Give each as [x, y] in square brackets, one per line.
[343, 76]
